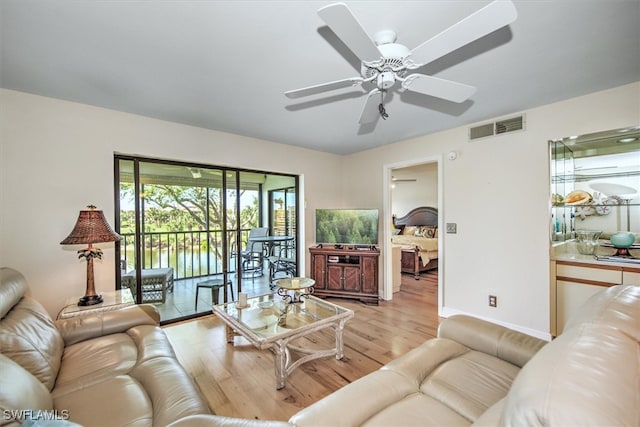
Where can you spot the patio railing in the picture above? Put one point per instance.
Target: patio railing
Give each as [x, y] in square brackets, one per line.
[189, 253]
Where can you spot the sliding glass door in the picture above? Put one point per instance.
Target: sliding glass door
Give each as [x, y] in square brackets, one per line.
[186, 228]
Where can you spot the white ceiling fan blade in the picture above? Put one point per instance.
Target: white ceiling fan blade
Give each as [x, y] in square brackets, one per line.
[342, 22]
[440, 88]
[493, 16]
[324, 87]
[370, 111]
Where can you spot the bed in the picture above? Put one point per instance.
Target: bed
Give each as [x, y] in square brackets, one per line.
[417, 237]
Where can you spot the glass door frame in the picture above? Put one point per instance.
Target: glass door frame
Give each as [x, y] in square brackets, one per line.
[226, 185]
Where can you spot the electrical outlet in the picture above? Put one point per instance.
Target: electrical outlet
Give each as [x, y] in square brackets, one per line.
[493, 301]
[452, 227]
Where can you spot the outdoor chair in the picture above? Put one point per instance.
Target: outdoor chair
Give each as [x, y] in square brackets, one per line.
[282, 262]
[253, 253]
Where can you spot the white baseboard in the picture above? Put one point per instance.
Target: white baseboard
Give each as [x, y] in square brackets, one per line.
[446, 312]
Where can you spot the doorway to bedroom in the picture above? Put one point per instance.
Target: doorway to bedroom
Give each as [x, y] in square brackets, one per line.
[414, 196]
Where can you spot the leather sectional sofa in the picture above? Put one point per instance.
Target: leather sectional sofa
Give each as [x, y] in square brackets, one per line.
[485, 375]
[106, 371]
[115, 368]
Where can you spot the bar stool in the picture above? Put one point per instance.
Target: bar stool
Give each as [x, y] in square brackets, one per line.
[214, 285]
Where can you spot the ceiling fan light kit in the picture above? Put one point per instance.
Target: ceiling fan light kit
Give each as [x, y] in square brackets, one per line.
[385, 62]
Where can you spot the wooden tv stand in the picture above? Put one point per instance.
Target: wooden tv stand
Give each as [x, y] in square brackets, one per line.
[345, 273]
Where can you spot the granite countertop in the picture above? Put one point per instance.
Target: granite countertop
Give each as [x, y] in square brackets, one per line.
[567, 251]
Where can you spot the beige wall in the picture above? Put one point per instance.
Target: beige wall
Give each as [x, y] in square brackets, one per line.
[57, 157]
[407, 195]
[497, 191]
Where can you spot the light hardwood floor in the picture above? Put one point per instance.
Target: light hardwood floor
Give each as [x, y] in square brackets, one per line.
[239, 380]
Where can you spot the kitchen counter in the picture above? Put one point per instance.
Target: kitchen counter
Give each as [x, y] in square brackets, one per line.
[576, 277]
[567, 251]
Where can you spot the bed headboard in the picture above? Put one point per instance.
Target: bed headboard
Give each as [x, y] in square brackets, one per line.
[423, 215]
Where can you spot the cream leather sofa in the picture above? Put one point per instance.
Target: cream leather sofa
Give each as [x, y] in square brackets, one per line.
[485, 375]
[480, 374]
[109, 369]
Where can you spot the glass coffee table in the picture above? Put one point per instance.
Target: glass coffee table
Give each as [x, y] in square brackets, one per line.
[268, 322]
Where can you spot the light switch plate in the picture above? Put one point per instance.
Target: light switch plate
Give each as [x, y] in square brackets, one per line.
[452, 227]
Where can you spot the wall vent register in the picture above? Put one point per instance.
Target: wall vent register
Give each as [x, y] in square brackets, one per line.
[497, 128]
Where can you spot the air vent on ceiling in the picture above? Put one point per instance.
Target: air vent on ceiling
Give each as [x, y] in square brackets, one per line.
[497, 128]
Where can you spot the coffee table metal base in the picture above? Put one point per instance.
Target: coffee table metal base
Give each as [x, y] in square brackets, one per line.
[282, 351]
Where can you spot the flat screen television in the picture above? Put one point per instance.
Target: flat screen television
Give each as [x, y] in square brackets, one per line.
[347, 226]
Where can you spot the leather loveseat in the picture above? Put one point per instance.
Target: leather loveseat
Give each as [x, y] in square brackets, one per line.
[115, 368]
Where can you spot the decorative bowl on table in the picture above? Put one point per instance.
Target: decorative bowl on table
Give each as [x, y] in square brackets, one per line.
[587, 241]
[265, 304]
[622, 239]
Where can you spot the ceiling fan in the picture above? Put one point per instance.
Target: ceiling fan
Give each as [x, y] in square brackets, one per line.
[385, 62]
[394, 179]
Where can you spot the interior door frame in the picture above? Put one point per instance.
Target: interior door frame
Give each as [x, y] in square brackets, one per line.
[387, 170]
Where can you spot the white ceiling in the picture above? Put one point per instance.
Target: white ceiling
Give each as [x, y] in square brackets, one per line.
[225, 65]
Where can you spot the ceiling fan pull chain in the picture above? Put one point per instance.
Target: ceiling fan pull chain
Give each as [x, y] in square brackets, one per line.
[383, 112]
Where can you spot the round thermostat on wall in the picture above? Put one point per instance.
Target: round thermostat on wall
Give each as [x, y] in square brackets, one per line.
[452, 155]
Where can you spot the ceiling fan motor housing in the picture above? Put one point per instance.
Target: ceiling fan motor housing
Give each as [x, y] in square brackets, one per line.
[386, 79]
[390, 65]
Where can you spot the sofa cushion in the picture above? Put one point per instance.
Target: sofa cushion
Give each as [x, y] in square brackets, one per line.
[116, 401]
[20, 390]
[464, 380]
[173, 394]
[92, 361]
[471, 383]
[29, 337]
[441, 382]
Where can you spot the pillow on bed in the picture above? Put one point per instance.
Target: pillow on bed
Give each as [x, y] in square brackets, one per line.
[409, 230]
[426, 231]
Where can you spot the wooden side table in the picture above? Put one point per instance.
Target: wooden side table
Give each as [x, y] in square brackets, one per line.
[112, 300]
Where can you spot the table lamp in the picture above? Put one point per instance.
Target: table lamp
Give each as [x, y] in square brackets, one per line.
[91, 227]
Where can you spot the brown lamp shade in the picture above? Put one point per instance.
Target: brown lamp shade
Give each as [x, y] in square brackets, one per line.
[91, 227]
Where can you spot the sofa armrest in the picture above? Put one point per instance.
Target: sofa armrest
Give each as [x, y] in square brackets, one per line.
[219, 421]
[496, 340]
[81, 328]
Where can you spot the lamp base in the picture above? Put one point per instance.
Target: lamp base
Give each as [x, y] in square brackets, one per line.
[90, 300]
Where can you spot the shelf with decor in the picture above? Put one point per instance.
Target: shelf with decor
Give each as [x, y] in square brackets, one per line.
[594, 217]
[595, 184]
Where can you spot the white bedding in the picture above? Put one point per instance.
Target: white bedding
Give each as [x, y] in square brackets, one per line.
[428, 246]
